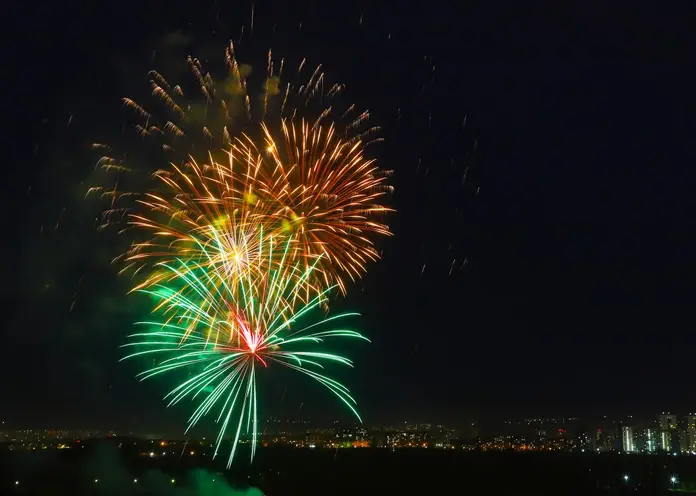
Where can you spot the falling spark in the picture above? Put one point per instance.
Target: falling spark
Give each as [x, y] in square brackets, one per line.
[224, 339]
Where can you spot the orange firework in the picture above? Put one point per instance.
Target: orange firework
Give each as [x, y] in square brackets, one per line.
[208, 215]
[320, 189]
[271, 171]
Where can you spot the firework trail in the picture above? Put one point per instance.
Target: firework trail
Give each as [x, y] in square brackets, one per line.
[224, 338]
[268, 161]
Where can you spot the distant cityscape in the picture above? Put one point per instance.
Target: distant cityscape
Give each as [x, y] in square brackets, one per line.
[662, 433]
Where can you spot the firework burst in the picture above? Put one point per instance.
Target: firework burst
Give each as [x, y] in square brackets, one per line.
[208, 215]
[224, 338]
[267, 162]
[319, 189]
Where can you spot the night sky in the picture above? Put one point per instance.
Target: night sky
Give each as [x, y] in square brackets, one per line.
[544, 167]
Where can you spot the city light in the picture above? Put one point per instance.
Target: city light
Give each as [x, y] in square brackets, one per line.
[638, 439]
[666, 435]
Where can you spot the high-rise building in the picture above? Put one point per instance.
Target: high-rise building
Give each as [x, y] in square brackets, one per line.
[651, 443]
[627, 439]
[609, 436]
[669, 433]
[665, 440]
[668, 422]
[691, 432]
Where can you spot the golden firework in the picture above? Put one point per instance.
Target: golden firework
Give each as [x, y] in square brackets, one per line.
[271, 171]
[320, 189]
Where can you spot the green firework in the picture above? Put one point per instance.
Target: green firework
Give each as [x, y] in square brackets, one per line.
[224, 336]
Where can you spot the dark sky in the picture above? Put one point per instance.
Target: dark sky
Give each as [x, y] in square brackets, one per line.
[575, 218]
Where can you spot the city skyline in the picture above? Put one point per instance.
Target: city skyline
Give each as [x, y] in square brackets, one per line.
[663, 433]
[475, 427]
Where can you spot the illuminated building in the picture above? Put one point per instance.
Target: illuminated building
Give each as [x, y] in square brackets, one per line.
[665, 440]
[668, 422]
[650, 441]
[669, 436]
[627, 439]
[361, 434]
[691, 432]
[608, 437]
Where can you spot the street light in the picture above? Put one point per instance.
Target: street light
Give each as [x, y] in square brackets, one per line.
[625, 478]
[673, 480]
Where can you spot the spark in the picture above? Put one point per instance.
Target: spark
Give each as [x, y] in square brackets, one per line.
[251, 28]
[308, 178]
[224, 339]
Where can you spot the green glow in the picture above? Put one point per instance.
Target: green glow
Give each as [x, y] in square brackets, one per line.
[224, 333]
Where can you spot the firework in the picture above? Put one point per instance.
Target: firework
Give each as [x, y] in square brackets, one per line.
[286, 160]
[209, 215]
[224, 338]
[318, 188]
